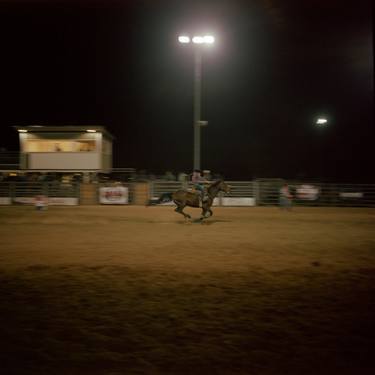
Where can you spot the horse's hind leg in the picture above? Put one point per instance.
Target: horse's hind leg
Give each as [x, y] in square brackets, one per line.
[180, 208]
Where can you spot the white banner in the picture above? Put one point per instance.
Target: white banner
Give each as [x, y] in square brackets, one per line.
[5, 201]
[114, 195]
[351, 195]
[50, 201]
[307, 192]
[232, 201]
[57, 201]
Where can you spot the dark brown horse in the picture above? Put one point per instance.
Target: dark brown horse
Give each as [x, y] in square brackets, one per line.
[184, 198]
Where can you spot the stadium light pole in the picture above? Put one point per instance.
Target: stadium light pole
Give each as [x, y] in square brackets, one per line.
[321, 122]
[198, 42]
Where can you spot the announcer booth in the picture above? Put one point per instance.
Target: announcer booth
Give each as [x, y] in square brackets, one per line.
[72, 150]
[65, 148]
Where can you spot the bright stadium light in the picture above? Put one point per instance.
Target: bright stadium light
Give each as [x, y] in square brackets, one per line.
[91, 131]
[22, 130]
[321, 121]
[198, 39]
[208, 39]
[184, 39]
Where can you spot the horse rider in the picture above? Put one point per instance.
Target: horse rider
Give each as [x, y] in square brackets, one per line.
[198, 180]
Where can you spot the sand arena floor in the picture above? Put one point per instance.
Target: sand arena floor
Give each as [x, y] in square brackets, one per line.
[136, 290]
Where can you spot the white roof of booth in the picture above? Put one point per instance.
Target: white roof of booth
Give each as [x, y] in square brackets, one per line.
[65, 128]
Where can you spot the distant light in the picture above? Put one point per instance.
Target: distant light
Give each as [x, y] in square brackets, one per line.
[91, 131]
[209, 39]
[321, 121]
[184, 39]
[22, 130]
[198, 40]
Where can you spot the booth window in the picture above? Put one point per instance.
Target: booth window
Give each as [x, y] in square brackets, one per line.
[37, 145]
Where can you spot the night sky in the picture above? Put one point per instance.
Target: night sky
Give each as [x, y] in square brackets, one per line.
[276, 65]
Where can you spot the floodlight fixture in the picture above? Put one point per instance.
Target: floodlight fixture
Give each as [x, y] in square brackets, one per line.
[91, 131]
[22, 130]
[184, 39]
[209, 39]
[321, 121]
[198, 39]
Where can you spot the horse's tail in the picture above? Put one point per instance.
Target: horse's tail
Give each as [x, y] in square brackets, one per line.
[164, 198]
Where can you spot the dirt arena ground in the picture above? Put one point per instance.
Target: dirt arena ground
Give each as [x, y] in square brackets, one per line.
[135, 290]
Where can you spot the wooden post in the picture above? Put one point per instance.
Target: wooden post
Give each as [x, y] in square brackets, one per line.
[141, 193]
[88, 194]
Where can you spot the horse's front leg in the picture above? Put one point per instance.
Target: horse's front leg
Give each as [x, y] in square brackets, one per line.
[203, 214]
[206, 212]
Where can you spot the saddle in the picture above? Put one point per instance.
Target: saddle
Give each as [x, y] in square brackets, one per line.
[196, 192]
[202, 198]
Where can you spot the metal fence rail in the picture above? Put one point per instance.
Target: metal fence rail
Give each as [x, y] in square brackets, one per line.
[9, 160]
[263, 192]
[347, 195]
[159, 187]
[33, 188]
[267, 193]
[241, 189]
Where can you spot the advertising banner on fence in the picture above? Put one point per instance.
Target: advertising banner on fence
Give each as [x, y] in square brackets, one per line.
[351, 195]
[234, 201]
[5, 200]
[307, 192]
[114, 195]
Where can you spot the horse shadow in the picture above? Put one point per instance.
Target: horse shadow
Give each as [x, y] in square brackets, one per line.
[202, 222]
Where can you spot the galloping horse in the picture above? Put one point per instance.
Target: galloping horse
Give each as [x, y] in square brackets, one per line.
[184, 198]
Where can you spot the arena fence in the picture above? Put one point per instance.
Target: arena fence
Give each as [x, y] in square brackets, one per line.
[9, 160]
[266, 192]
[24, 192]
[316, 193]
[263, 192]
